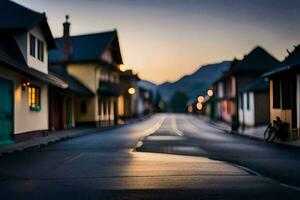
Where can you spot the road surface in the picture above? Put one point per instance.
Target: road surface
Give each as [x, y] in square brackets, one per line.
[178, 157]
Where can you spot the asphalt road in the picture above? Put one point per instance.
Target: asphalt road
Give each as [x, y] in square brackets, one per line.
[106, 166]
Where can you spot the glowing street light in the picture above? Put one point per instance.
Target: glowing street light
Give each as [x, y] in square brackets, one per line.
[199, 106]
[210, 93]
[200, 99]
[131, 91]
[122, 67]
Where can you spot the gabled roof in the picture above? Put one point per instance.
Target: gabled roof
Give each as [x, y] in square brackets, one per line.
[12, 58]
[74, 85]
[257, 61]
[291, 62]
[257, 86]
[18, 19]
[87, 47]
[293, 58]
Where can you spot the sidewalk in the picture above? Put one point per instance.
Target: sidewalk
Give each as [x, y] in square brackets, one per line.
[55, 136]
[253, 132]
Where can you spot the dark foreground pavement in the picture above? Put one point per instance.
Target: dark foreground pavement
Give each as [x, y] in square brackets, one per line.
[105, 166]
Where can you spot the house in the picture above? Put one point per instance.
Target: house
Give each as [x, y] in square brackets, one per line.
[93, 60]
[62, 101]
[240, 74]
[128, 100]
[25, 39]
[285, 91]
[254, 104]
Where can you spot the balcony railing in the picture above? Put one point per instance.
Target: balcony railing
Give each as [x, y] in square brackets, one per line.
[109, 88]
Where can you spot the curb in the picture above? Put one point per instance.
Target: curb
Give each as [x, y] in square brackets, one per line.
[54, 139]
[251, 137]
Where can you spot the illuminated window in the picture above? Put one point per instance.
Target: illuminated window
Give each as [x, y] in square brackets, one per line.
[34, 98]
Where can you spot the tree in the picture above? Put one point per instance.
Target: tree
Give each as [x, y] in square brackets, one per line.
[178, 102]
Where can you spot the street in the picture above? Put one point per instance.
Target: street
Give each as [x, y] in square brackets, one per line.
[168, 156]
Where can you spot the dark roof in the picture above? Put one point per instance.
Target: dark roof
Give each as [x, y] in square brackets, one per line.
[12, 58]
[129, 75]
[87, 47]
[291, 62]
[257, 61]
[257, 86]
[74, 85]
[18, 19]
[282, 69]
[293, 58]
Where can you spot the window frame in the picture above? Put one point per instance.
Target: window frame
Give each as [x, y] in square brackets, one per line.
[32, 45]
[34, 99]
[40, 50]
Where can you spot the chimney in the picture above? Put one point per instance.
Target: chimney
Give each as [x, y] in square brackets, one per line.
[67, 42]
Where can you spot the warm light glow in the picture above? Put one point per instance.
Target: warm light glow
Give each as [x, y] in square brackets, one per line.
[200, 99]
[199, 106]
[210, 93]
[131, 91]
[122, 67]
[190, 108]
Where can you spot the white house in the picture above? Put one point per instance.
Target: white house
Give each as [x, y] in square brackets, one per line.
[25, 39]
[254, 104]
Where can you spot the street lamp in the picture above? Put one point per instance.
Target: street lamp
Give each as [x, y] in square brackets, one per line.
[131, 91]
[122, 67]
[210, 93]
[200, 99]
[199, 106]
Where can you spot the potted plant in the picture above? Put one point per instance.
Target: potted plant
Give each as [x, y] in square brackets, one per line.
[234, 122]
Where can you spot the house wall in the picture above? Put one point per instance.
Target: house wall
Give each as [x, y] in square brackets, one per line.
[247, 116]
[228, 108]
[220, 90]
[90, 114]
[87, 74]
[285, 115]
[23, 41]
[262, 108]
[26, 120]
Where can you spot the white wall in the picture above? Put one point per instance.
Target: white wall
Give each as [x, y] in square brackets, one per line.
[220, 90]
[33, 61]
[24, 119]
[247, 115]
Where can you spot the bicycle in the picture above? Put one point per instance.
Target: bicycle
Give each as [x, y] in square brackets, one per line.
[278, 130]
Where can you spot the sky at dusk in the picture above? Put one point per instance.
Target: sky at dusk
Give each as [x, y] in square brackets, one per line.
[163, 40]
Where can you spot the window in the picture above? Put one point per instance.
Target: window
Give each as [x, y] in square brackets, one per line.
[241, 102]
[248, 101]
[32, 45]
[40, 50]
[276, 94]
[286, 90]
[34, 98]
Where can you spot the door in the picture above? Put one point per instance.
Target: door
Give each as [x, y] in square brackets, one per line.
[69, 112]
[6, 111]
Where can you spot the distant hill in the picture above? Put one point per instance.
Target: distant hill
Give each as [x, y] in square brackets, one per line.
[194, 84]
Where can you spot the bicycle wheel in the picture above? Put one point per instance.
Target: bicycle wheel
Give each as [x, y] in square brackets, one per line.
[266, 133]
[270, 135]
